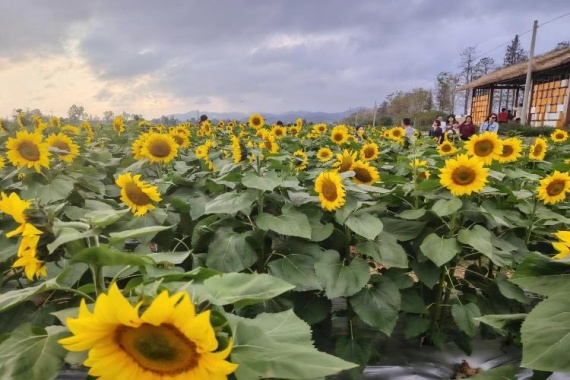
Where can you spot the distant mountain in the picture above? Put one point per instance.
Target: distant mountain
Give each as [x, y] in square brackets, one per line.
[270, 118]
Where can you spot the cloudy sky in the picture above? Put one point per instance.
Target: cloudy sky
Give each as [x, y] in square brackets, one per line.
[156, 58]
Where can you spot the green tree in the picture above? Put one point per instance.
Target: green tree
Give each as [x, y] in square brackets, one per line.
[445, 91]
[514, 53]
[76, 113]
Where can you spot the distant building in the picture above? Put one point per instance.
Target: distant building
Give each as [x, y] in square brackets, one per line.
[549, 96]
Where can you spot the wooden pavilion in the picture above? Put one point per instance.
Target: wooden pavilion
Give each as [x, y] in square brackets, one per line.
[549, 96]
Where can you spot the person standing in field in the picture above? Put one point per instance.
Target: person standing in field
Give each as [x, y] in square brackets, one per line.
[407, 125]
[490, 125]
[467, 128]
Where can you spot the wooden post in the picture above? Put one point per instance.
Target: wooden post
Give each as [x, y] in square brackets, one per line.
[526, 99]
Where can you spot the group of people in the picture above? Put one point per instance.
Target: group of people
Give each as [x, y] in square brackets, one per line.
[464, 130]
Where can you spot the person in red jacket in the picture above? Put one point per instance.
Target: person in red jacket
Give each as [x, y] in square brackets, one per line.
[503, 116]
[467, 128]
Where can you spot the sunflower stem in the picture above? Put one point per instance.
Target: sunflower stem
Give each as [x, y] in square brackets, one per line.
[98, 280]
[531, 226]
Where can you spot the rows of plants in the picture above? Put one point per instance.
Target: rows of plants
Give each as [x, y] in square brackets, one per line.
[215, 251]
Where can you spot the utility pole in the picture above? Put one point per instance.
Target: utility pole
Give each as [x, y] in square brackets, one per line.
[375, 112]
[525, 110]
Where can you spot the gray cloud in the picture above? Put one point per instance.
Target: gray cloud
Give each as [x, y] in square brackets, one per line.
[258, 55]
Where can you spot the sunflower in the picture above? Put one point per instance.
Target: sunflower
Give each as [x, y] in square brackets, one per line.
[278, 131]
[256, 121]
[137, 145]
[446, 149]
[66, 149]
[330, 189]
[270, 144]
[299, 123]
[239, 152]
[159, 148]
[339, 134]
[16, 207]
[137, 194]
[559, 135]
[538, 149]
[319, 129]
[300, 160]
[27, 149]
[168, 341]
[567, 161]
[563, 246]
[87, 127]
[417, 163]
[369, 152]
[344, 161]
[324, 154]
[424, 174]
[54, 121]
[119, 124]
[464, 175]
[397, 133]
[364, 173]
[512, 150]
[485, 147]
[262, 133]
[70, 129]
[181, 138]
[2, 164]
[553, 188]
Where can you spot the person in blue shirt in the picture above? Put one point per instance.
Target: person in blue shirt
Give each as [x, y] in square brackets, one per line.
[490, 125]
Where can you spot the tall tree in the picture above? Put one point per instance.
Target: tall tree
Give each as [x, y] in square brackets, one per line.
[562, 45]
[76, 113]
[445, 95]
[514, 53]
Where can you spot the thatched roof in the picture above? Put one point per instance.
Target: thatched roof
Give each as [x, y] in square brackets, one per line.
[543, 62]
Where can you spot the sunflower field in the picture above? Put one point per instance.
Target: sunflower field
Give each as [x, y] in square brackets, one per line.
[230, 250]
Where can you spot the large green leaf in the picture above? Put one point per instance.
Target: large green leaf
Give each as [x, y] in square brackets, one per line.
[32, 353]
[284, 353]
[378, 304]
[438, 249]
[231, 203]
[427, 272]
[291, 222]
[444, 207]
[241, 289]
[102, 218]
[115, 237]
[481, 240]
[268, 182]
[386, 250]
[231, 251]
[355, 351]
[545, 335]
[14, 297]
[57, 190]
[339, 279]
[510, 290]
[344, 212]
[296, 269]
[365, 225]
[403, 230]
[106, 256]
[543, 275]
[464, 316]
[66, 235]
[505, 322]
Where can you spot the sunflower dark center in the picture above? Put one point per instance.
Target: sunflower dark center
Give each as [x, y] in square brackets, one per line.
[446, 148]
[537, 150]
[163, 349]
[159, 148]
[136, 195]
[463, 176]
[369, 152]
[507, 151]
[345, 165]
[338, 137]
[363, 175]
[179, 140]
[29, 150]
[555, 187]
[61, 145]
[256, 121]
[329, 190]
[396, 133]
[483, 148]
